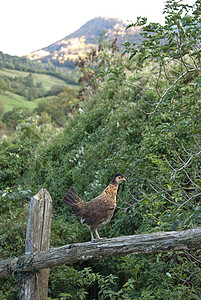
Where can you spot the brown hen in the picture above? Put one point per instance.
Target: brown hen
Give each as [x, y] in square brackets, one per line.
[98, 211]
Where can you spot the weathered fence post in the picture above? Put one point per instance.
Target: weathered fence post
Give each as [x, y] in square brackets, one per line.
[35, 286]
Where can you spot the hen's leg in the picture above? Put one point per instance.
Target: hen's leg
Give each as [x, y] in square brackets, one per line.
[92, 236]
[97, 235]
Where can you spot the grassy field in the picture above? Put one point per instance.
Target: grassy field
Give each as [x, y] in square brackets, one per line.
[10, 100]
[47, 80]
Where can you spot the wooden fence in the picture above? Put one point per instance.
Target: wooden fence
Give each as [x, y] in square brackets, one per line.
[38, 259]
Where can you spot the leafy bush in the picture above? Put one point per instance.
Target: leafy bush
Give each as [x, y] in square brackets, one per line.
[124, 125]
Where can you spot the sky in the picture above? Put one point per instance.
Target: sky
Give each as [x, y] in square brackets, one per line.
[29, 25]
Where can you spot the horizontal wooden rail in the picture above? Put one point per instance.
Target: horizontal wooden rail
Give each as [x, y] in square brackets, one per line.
[144, 243]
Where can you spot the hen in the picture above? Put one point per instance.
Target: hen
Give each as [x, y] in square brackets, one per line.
[98, 211]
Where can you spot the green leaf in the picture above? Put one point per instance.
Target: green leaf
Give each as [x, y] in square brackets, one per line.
[197, 12]
[154, 68]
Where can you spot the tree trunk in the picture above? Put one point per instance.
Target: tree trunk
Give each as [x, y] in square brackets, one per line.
[35, 286]
[144, 243]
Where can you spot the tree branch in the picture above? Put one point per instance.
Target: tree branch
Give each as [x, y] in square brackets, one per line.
[167, 90]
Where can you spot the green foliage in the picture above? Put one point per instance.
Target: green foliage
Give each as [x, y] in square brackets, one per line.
[14, 213]
[118, 128]
[172, 48]
[14, 117]
[17, 150]
[1, 109]
[57, 108]
[71, 283]
[13, 219]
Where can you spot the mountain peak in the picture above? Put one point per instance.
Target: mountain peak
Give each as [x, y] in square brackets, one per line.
[78, 43]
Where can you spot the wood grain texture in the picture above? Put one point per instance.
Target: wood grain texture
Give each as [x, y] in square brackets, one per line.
[35, 286]
[137, 244]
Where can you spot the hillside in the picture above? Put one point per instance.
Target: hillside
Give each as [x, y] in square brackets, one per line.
[141, 117]
[20, 88]
[68, 49]
[46, 80]
[11, 100]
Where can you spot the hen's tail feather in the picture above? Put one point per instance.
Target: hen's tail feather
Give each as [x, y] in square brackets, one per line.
[72, 200]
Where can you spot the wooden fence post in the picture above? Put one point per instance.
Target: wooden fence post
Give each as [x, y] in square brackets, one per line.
[35, 286]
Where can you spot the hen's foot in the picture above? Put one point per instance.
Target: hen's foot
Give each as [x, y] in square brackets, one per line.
[98, 239]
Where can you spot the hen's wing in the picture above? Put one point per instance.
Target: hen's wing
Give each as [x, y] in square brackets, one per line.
[97, 212]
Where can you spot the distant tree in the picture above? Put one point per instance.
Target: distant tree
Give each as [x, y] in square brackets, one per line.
[1, 109]
[2, 128]
[58, 107]
[39, 85]
[45, 118]
[55, 90]
[32, 93]
[2, 85]
[1, 65]
[29, 81]
[14, 117]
